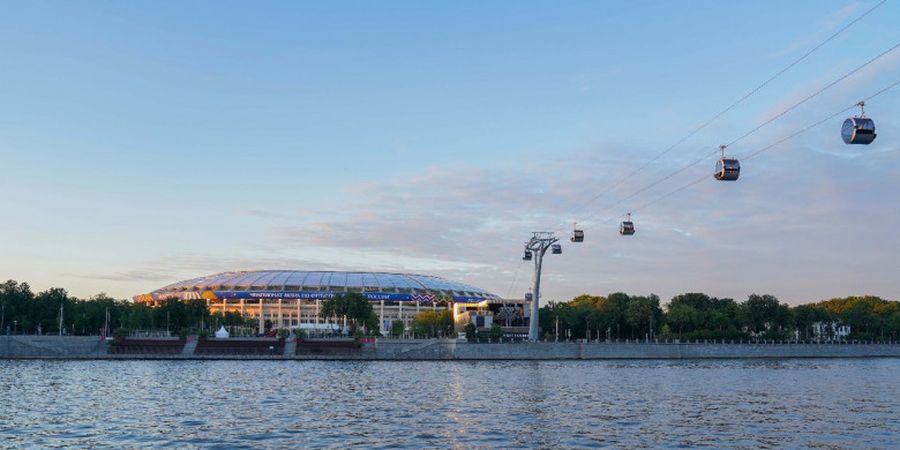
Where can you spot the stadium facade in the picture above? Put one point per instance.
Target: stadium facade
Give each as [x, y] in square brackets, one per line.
[292, 299]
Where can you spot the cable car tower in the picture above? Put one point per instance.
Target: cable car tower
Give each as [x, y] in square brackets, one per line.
[540, 242]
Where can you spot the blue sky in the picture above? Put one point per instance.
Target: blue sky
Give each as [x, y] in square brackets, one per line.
[144, 143]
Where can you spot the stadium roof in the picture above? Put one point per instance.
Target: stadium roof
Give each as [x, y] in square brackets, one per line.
[315, 285]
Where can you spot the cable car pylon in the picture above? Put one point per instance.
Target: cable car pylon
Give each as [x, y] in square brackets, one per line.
[537, 246]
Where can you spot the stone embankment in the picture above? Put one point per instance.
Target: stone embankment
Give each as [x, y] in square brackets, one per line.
[56, 347]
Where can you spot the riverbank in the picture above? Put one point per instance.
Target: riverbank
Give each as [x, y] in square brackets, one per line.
[56, 347]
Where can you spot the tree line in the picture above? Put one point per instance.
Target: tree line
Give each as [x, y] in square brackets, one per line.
[615, 316]
[23, 311]
[699, 316]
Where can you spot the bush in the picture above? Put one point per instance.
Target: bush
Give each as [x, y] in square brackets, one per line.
[496, 331]
[183, 333]
[470, 331]
[119, 334]
[301, 334]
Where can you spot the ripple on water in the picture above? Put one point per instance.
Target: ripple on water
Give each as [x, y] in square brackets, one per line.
[586, 404]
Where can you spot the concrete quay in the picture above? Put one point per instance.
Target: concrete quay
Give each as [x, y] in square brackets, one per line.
[56, 347]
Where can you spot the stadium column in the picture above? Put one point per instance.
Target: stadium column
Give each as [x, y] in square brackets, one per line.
[262, 320]
[280, 315]
[383, 330]
[242, 308]
[400, 312]
[298, 313]
[317, 314]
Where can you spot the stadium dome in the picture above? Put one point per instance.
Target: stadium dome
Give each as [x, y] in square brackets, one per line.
[306, 285]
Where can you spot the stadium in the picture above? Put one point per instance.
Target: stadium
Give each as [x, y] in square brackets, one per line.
[290, 299]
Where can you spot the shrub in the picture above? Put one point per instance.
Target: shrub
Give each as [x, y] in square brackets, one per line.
[119, 334]
[496, 331]
[470, 331]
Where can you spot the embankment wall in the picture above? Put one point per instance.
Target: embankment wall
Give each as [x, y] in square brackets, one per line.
[57, 347]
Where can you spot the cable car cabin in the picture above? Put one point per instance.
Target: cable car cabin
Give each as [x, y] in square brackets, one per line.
[626, 228]
[577, 236]
[727, 169]
[556, 249]
[527, 256]
[858, 130]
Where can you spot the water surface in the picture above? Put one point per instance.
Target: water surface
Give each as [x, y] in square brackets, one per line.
[833, 403]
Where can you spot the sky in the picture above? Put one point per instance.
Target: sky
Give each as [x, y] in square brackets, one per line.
[143, 143]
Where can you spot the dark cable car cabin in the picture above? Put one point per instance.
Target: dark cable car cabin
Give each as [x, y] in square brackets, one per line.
[556, 249]
[859, 129]
[626, 228]
[577, 235]
[727, 169]
[527, 256]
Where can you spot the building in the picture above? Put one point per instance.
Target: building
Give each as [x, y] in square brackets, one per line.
[292, 298]
[831, 331]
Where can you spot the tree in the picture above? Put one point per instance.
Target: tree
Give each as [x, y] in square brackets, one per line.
[762, 312]
[681, 315]
[354, 306]
[397, 328]
[430, 323]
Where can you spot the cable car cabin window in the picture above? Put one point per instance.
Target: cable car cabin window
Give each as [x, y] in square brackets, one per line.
[577, 236]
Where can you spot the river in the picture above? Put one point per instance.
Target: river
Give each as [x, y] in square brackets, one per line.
[830, 403]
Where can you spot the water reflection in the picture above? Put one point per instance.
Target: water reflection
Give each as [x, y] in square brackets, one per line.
[275, 404]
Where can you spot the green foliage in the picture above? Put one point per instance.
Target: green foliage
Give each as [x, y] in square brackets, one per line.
[496, 332]
[618, 315]
[397, 328]
[183, 333]
[471, 331]
[430, 323]
[283, 334]
[120, 334]
[354, 306]
[697, 316]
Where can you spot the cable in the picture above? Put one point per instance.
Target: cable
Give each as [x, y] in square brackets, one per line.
[814, 94]
[769, 147]
[754, 130]
[756, 153]
[619, 182]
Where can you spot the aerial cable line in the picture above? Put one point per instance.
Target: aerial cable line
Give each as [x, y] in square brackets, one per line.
[854, 106]
[745, 135]
[814, 94]
[756, 89]
[770, 146]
